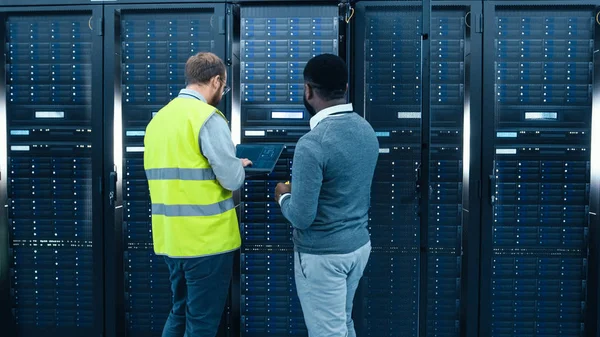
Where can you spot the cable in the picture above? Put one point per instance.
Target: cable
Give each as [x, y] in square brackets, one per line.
[90, 23]
[351, 15]
[468, 15]
[598, 18]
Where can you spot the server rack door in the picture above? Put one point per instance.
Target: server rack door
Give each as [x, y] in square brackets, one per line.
[276, 42]
[146, 51]
[593, 295]
[454, 115]
[388, 92]
[538, 93]
[51, 124]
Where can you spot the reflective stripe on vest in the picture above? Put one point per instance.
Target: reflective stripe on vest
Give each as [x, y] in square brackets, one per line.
[193, 210]
[180, 174]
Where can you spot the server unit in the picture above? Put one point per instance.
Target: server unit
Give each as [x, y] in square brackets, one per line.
[147, 47]
[538, 82]
[50, 137]
[275, 44]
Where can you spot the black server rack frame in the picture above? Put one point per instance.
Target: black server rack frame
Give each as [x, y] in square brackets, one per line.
[469, 250]
[346, 41]
[593, 317]
[145, 2]
[7, 319]
[471, 183]
[50, 3]
[115, 134]
[94, 23]
[424, 186]
[245, 3]
[589, 310]
[236, 136]
[17, 3]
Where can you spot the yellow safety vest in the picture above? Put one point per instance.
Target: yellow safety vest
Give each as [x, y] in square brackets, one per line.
[192, 214]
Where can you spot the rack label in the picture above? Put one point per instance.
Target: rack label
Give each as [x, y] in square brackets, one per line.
[506, 151]
[287, 114]
[254, 133]
[135, 133]
[19, 132]
[19, 148]
[409, 115]
[49, 114]
[506, 134]
[134, 149]
[541, 115]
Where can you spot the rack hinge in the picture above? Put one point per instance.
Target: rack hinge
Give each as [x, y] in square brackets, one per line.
[478, 23]
[99, 27]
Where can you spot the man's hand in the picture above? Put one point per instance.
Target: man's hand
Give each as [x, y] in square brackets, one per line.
[280, 189]
[246, 162]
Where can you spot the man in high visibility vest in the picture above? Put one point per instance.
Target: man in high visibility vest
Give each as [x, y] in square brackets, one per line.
[192, 169]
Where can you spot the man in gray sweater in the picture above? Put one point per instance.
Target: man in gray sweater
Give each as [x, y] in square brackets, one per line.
[329, 203]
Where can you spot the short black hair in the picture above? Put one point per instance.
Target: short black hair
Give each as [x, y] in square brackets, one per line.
[328, 75]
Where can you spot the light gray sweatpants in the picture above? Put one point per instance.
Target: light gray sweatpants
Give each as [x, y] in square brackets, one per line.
[326, 285]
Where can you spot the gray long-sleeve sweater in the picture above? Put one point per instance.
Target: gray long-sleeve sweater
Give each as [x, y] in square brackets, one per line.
[217, 147]
[333, 170]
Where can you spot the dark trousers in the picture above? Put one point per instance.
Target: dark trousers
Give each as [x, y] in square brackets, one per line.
[199, 287]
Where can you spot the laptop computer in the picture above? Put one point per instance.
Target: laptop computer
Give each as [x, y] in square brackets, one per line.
[263, 156]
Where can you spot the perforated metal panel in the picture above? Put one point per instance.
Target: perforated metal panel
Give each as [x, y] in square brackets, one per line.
[49, 143]
[542, 109]
[154, 49]
[276, 42]
[392, 105]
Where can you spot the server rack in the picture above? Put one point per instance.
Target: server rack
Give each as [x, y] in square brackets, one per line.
[392, 33]
[421, 94]
[452, 239]
[538, 72]
[593, 314]
[146, 47]
[275, 44]
[51, 128]
[470, 236]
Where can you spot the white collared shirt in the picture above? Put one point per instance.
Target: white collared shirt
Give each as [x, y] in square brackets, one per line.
[316, 119]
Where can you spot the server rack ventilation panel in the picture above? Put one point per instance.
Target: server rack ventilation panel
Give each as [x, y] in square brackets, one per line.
[49, 130]
[276, 42]
[154, 49]
[541, 170]
[392, 104]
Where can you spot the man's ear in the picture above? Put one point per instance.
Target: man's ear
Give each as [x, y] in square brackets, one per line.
[215, 81]
[308, 91]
